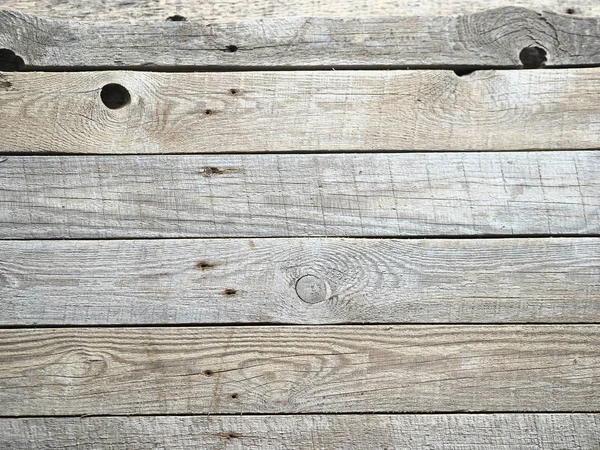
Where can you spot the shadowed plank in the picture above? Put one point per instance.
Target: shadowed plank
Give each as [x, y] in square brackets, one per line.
[209, 11]
[489, 38]
[431, 431]
[299, 369]
[301, 111]
[411, 194]
[300, 281]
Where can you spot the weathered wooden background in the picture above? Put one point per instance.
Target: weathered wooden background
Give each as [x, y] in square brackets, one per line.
[211, 239]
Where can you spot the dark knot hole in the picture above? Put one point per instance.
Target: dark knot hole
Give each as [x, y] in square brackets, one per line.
[533, 57]
[10, 61]
[115, 96]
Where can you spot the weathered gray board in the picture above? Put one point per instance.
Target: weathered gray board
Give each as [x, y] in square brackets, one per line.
[211, 11]
[332, 432]
[300, 281]
[411, 194]
[301, 111]
[483, 39]
[317, 369]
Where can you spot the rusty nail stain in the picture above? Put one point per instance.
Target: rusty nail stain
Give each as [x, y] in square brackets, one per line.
[208, 171]
[229, 435]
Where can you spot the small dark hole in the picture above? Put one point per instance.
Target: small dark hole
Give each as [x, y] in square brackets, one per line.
[208, 373]
[10, 61]
[204, 265]
[229, 292]
[176, 18]
[532, 57]
[570, 11]
[231, 48]
[463, 72]
[234, 396]
[115, 96]
[233, 91]
[208, 112]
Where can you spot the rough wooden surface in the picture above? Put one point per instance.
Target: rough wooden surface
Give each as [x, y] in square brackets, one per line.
[256, 280]
[301, 111]
[490, 38]
[300, 281]
[209, 11]
[410, 194]
[299, 369]
[333, 432]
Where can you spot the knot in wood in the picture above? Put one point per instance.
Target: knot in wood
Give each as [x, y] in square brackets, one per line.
[311, 289]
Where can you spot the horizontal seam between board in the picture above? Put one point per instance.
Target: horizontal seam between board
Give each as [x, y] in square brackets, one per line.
[297, 152]
[283, 237]
[290, 68]
[252, 414]
[239, 325]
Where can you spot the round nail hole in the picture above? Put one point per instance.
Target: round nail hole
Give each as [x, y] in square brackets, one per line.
[115, 96]
[532, 57]
[570, 11]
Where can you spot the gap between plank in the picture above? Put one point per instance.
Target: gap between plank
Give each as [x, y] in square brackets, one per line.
[239, 325]
[387, 413]
[291, 152]
[400, 237]
[230, 69]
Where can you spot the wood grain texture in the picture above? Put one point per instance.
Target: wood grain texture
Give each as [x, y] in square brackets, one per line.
[489, 38]
[303, 281]
[301, 111]
[210, 11]
[299, 369]
[411, 194]
[333, 432]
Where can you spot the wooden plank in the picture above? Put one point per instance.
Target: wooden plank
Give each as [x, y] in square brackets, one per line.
[300, 281]
[410, 194]
[431, 431]
[210, 11]
[489, 38]
[301, 111]
[103, 371]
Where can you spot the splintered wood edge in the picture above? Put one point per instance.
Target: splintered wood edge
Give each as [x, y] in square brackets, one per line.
[502, 37]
